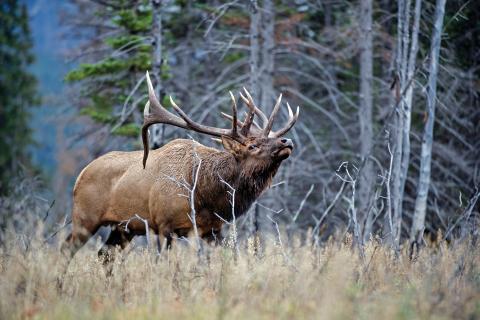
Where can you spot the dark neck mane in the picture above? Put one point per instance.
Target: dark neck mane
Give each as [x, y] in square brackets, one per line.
[250, 183]
[248, 179]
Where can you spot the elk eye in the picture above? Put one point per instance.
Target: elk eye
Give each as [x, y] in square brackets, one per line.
[252, 146]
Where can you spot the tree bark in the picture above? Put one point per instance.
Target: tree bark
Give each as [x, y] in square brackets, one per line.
[157, 129]
[255, 20]
[407, 105]
[268, 59]
[403, 39]
[416, 234]
[365, 112]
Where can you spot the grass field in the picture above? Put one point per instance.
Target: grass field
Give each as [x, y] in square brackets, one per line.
[297, 281]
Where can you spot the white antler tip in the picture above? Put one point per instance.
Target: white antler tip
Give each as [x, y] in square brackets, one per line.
[146, 111]
[173, 102]
[290, 112]
[226, 115]
[149, 84]
[248, 94]
[244, 98]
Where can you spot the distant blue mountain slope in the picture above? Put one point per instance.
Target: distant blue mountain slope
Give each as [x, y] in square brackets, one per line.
[50, 68]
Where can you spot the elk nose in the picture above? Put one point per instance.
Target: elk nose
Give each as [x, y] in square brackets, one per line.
[286, 141]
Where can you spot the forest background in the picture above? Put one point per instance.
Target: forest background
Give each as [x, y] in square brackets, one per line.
[388, 93]
[375, 214]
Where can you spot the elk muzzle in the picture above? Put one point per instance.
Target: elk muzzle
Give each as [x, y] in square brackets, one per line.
[284, 148]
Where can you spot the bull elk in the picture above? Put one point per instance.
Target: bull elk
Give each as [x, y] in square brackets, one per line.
[116, 186]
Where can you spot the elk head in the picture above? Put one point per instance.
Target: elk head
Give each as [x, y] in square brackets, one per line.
[246, 140]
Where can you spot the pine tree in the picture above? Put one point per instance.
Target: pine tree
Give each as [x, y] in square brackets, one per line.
[111, 91]
[17, 89]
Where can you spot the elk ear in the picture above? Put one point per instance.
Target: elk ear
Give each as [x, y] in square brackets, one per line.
[231, 145]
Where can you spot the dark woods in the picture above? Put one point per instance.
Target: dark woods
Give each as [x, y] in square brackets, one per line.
[401, 162]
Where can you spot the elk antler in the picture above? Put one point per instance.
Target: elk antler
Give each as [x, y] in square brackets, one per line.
[268, 122]
[292, 118]
[240, 124]
[251, 105]
[154, 112]
[269, 125]
[234, 116]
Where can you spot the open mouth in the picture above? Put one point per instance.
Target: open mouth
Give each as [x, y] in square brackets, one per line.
[285, 152]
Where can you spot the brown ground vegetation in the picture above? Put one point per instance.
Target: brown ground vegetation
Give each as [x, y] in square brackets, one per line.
[292, 281]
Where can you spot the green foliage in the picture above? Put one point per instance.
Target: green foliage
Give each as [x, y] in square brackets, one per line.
[97, 115]
[100, 110]
[109, 66]
[17, 89]
[109, 81]
[233, 57]
[104, 67]
[166, 102]
[128, 130]
[134, 20]
[165, 70]
[128, 42]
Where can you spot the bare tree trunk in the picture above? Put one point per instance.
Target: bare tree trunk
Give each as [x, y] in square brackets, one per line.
[267, 93]
[365, 112]
[186, 61]
[403, 38]
[418, 226]
[255, 20]
[268, 59]
[157, 129]
[407, 111]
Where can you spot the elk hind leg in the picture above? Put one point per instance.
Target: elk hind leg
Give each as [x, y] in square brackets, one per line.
[74, 241]
[117, 238]
[77, 240]
[213, 237]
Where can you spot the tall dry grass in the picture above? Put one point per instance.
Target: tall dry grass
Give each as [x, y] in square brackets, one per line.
[297, 281]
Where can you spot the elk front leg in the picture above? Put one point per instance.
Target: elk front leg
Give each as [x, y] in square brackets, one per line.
[117, 238]
[164, 234]
[214, 236]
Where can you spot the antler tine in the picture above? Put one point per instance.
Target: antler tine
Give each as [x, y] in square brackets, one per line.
[250, 115]
[240, 123]
[255, 124]
[218, 132]
[247, 124]
[292, 118]
[230, 118]
[254, 107]
[155, 113]
[234, 114]
[269, 124]
[246, 101]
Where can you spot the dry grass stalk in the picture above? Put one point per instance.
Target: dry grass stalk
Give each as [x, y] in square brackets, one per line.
[329, 282]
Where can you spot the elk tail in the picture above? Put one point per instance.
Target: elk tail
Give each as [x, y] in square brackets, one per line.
[146, 146]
